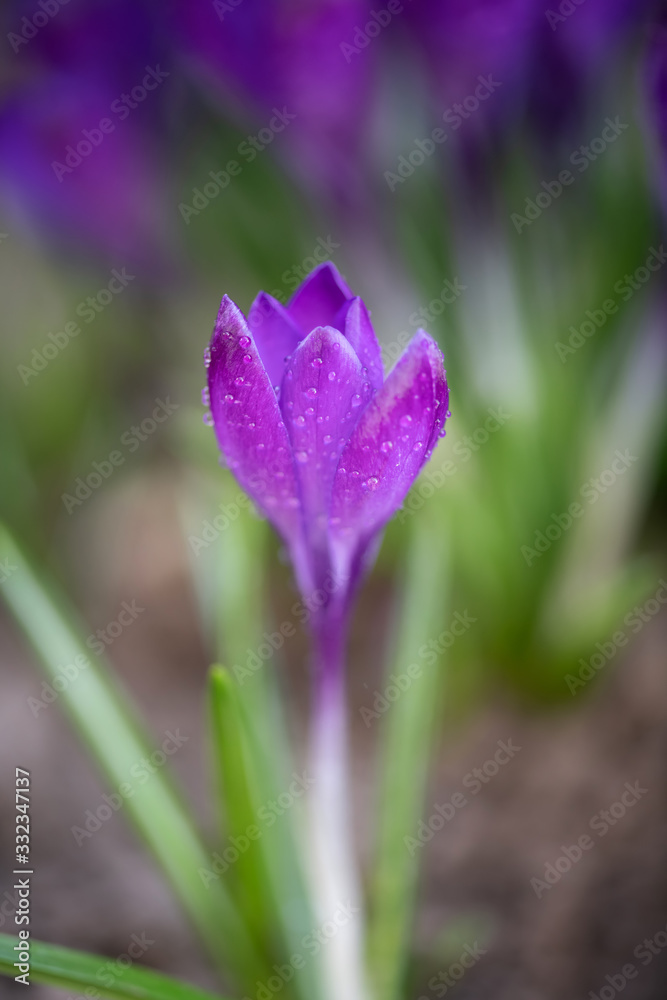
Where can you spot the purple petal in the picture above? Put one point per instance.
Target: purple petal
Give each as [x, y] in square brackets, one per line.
[324, 393]
[319, 298]
[248, 422]
[276, 334]
[354, 320]
[390, 444]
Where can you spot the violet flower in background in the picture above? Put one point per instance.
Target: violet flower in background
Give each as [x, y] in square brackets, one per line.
[61, 175]
[273, 53]
[572, 55]
[655, 86]
[327, 448]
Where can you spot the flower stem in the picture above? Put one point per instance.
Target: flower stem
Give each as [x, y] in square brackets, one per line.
[334, 874]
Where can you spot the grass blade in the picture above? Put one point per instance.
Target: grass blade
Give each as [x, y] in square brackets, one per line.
[73, 970]
[110, 731]
[406, 745]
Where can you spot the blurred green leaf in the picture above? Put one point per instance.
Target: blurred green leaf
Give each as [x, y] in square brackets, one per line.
[406, 745]
[73, 970]
[110, 731]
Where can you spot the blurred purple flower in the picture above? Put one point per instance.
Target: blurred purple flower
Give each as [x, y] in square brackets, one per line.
[463, 40]
[655, 85]
[326, 447]
[546, 58]
[262, 54]
[575, 48]
[61, 175]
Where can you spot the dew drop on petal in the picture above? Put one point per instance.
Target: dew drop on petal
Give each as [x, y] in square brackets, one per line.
[301, 456]
[229, 398]
[418, 446]
[252, 425]
[208, 419]
[246, 359]
[310, 410]
[244, 341]
[328, 439]
[300, 420]
[312, 392]
[207, 356]
[227, 334]
[331, 376]
[386, 446]
[238, 380]
[261, 446]
[317, 361]
[356, 399]
[371, 483]
[405, 420]
[205, 396]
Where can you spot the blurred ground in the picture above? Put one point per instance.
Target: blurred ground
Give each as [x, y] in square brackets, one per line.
[571, 764]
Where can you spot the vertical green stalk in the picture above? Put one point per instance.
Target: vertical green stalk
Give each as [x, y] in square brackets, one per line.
[406, 743]
[250, 704]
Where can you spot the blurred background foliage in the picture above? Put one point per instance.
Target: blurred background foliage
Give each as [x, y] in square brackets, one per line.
[361, 97]
[475, 237]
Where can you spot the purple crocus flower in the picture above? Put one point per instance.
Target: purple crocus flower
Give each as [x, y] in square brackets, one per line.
[323, 443]
[327, 448]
